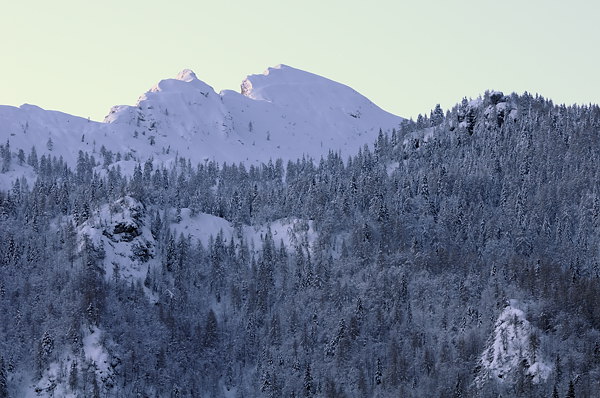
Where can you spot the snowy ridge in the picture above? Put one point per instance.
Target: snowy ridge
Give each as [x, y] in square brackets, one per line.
[50, 132]
[284, 113]
[513, 350]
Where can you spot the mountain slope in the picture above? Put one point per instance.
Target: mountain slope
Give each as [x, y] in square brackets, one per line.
[284, 113]
[386, 275]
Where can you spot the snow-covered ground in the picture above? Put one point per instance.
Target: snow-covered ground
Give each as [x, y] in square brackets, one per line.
[202, 226]
[17, 172]
[69, 368]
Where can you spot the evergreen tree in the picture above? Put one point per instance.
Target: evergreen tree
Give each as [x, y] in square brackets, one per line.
[211, 330]
[3, 380]
[571, 390]
[21, 157]
[6, 157]
[309, 388]
[437, 116]
[32, 159]
[73, 376]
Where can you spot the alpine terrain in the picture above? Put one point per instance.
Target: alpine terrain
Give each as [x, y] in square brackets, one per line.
[295, 240]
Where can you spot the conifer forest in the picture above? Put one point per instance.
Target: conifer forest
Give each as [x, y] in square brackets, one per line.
[456, 256]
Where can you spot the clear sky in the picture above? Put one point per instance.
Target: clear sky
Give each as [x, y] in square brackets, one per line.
[83, 56]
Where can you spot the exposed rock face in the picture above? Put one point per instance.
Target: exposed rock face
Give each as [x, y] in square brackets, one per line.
[121, 231]
[128, 225]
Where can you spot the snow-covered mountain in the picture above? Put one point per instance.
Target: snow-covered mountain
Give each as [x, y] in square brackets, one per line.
[283, 113]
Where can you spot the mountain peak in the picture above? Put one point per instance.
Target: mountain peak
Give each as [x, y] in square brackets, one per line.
[285, 85]
[279, 67]
[185, 81]
[269, 84]
[186, 75]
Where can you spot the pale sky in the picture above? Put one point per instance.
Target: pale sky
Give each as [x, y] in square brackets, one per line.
[83, 56]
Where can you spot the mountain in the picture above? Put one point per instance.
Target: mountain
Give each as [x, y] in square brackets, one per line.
[284, 113]
[456, 256]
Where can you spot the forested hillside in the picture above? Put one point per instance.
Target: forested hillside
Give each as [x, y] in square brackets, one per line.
[455, 257]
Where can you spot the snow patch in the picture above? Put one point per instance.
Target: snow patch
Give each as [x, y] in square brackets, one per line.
[390, 168]
[17, 172]
[201, 226]
[96, 353]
